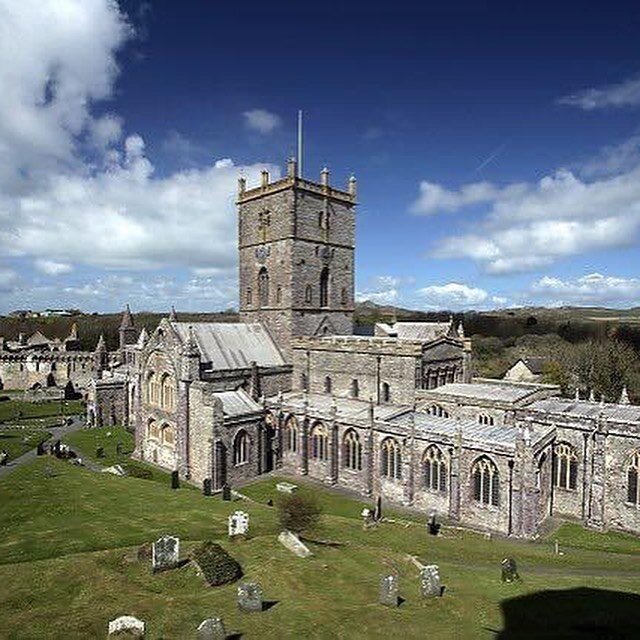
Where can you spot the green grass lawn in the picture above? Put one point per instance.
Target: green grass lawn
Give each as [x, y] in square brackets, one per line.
[17, 441]
[68, 565]
[15, 409]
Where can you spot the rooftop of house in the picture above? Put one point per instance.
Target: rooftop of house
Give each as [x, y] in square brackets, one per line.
[493, 390]
[237, 403]
[422, 331]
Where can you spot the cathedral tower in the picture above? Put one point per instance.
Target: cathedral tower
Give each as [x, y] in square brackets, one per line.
[296, 240]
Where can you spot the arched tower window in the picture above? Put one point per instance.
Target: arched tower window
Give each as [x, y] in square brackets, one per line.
[319, 442]
[324, 287]
[279, 295]
[485, 419]
[438, 410]
[435, 469]
[308, 294]
[167, 392]
[633, 490]
[327, 384]
[486, 482]
[355, 388]
[304, 382]
[167, 435]
[241, 447]
[153, 431]
[565, 466]
[352, 450]
[391, 459]
[386, 392]
[263, 287]
[291, 434]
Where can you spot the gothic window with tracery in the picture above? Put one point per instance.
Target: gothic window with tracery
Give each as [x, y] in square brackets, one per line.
[241, 448]
[565, 466]
[391, 459]
[633, 489]
[486, 482]
[435, 469]
[352, 450]
[263, 287]
[291, 434]
[319, 442]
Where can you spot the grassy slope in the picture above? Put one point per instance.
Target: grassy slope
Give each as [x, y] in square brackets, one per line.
[332, 594]
[20, 410]
[19, 441]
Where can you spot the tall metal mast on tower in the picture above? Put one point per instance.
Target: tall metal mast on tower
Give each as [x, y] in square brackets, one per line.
[300, 143]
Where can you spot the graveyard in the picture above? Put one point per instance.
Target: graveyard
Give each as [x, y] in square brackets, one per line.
[71, 563]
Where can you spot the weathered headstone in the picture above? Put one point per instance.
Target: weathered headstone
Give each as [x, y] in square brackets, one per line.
[206, 487]
[116, 470]
[433, 525]
[250, 597]
[368, 520]
[127, 625]
[388, 594]
[165, 553]
[40, 449]
[211, 629]
[238, 524]
[175, 480]
[286, 487]
[100, 452]
[292, 542]
[509, 570]
[226, 492]
[430, 586]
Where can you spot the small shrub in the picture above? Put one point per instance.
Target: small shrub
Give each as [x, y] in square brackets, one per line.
[216, 564]
[299, 513]
[138, 472]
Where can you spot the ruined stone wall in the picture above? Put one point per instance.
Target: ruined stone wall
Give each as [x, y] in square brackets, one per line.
[46, 369]
[107, 403]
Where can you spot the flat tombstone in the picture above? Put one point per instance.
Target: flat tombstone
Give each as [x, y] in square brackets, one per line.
[286, 487]
[126, 626]
[238, 524]
[388, 594]
[165, 553]
[211, 629]
[250, 597]
[292, 542]
[430, 586]
[226, 492]
[509, 570]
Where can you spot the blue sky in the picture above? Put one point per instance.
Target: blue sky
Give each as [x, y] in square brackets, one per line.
[496, 146]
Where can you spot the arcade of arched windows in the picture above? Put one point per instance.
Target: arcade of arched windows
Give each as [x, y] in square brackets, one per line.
[435, 377]
[160, 390]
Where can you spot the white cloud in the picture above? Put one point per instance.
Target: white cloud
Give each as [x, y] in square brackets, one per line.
[8, 279]
[591, 289]
[526, 226]
[262, 121]
[51, 268]
[453, 295]
[383, 296]
[622, 94]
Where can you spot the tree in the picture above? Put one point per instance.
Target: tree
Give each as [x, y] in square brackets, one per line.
[299, 512]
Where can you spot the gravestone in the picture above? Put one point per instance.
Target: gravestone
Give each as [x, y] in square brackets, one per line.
[430, 586]
[250, 597]
[433, 525]
[377, 512]
[127, 626]
[40, 449]
[175, 480]
[238, 524]
[291, 541]
[368, 520]
[388, 594]
[286, 487]
[206, 487]
[165, 553]
[226, 492]
[509, 570]
[211, 629]
[100, 452]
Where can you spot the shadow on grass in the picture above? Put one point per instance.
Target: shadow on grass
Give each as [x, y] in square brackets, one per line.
[581, 613]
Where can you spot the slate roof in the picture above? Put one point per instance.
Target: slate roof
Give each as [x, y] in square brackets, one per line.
[231, 345]
[422, 331]
[237, 403]
[585, 409]
[499, 391]
[535, 364]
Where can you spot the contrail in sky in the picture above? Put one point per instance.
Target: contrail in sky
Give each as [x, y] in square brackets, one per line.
[489, 159]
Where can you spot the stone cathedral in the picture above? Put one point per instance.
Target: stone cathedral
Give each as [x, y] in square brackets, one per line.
[290, 388]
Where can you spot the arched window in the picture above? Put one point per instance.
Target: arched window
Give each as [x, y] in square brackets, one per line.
[386, 392]
[167, 392]
[435, 469]
[344, 296]
[308, 294]
[291, 434]
[327, 384]
[633, 490]
[263, 287]
[304, 382]
[486, 482]
[241, 447]
[565, 466]
[485, 419]
[323, 219]
[391, 459]
[279, 295]
[352, 451]
[153, 432]
[355, 388]
[249, 296]
[153, 388]
[324, 287]
[167, 435]
[438, 410]
[319, 442]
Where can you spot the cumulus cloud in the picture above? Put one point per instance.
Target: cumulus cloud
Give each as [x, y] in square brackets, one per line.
[51, 268]
[526, 226]
[622, 94]
[8, 279]
[453, 295]
[262, 121]
[591, 289]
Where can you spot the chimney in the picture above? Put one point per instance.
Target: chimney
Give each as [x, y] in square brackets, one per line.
[352, 186]
[264, 178]
[324, 177]
[292, 168]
